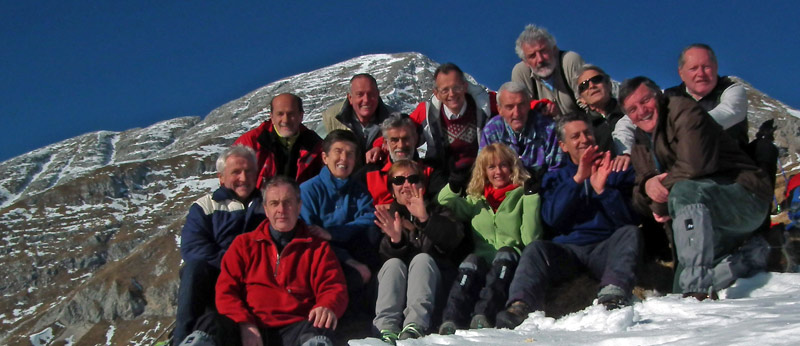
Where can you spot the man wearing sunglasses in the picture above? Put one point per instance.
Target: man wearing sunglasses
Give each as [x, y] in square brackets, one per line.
[546, 71]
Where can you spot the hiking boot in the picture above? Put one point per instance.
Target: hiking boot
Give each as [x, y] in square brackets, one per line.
[411, 331]
[612, 302]
[447, 328]
[480, 321]
[701, 296]
[612, 297]
[513, 316]
[388, 337]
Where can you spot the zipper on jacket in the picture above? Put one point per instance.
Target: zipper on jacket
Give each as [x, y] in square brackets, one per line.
[277, 264]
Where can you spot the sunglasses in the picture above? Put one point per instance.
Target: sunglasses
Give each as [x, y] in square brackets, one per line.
[594, 80]
[400, 180]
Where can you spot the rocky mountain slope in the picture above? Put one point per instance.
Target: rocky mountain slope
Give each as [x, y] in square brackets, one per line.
[90, 225]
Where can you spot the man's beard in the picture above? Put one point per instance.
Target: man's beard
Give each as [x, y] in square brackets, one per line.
[544, 71]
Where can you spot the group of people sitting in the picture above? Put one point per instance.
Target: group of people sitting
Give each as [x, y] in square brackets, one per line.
[452, 217]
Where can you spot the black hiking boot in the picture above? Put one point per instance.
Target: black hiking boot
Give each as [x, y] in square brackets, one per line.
[513, 316]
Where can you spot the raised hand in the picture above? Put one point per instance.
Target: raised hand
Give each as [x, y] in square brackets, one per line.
[585, 163]
[601, 169]
[416, 205]
[391, 226]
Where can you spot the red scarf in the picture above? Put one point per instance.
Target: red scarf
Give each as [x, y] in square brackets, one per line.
[496, 196]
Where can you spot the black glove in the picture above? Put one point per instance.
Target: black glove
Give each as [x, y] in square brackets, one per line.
[459, 177]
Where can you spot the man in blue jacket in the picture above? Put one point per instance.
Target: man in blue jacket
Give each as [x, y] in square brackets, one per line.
[587, 205]
[213, 222]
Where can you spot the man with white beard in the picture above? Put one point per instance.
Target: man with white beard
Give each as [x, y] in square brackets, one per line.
[546, 71]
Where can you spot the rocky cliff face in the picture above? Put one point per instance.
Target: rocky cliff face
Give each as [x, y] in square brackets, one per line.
[90, 226]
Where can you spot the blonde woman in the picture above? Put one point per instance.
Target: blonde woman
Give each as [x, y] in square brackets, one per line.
[502, 205]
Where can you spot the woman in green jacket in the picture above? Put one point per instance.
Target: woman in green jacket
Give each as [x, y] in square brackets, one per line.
[502, 205]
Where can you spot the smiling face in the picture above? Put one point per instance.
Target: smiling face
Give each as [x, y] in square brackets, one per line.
[282, 206]
[239, 175]
[539, 57]
[642, 108]
[401, 143]
[286, 115]
[498, 172]
[595, 95]
[450, 90]
[363, 96]
[577, 138]
[698, 71]
[514, 108]
[340, 159]
[404, 191]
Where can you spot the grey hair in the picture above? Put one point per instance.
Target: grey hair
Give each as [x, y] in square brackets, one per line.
[395, 120]
[533, 34]
[590, 67]
[239, 151]
[277, 181]
[682, 60]
[565, 119]
[512, 87]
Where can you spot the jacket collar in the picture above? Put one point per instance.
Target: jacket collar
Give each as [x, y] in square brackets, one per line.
[223, 193]
[301, 236]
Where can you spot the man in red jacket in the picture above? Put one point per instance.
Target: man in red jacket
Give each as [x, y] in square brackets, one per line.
[280, 283]
[284, 145]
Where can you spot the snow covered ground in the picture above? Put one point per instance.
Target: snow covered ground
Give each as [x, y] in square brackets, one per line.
[762, 310]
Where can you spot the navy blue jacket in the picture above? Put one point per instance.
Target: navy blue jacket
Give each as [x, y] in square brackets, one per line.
[214, 220]
[580, 216]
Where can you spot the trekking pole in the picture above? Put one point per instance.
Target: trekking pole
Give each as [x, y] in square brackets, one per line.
[155, 341]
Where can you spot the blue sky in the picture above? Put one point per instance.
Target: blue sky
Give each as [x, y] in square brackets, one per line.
[72, 67]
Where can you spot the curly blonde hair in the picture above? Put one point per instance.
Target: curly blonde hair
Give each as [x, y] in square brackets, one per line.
[487, 155]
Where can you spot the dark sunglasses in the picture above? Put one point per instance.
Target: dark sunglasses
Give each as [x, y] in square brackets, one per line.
[400, 180]
[594, 80]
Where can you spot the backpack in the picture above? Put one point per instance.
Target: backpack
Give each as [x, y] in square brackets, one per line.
[792, 201]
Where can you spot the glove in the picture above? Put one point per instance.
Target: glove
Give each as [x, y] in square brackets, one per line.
[458, 177]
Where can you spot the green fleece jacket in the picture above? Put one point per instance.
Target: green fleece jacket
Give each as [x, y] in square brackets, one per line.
[516, 223]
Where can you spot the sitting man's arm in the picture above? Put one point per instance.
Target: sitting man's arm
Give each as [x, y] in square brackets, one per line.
[329, 288]
[231, 284]
[197, 238]
[732, 107]
[623, 136]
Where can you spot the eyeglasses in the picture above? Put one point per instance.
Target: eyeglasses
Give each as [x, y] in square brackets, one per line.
[594, 80]
[453, 90]
[400, 180]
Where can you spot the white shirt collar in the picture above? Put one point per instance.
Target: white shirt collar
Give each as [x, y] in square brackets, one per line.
[450, 115]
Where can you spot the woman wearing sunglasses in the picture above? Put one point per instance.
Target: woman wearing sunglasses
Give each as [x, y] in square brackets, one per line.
[504, 213]
[420, 241]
